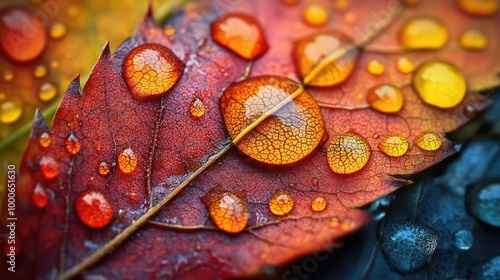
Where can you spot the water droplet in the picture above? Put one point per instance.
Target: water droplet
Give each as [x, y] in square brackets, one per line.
[169, 30]
[318, 204]
[14, 21]
[8, 75]
[348, 153]
[350, 18]
[347, 224]
[44, 140]
[423, 33]
[198, 248]
[288, 135]
[10, 112]
[473, 39]
[315, 15]
[334, 222]
[49, 167]
[94, 208]
[440, 84]
[385, 98]
[315, 182]
[407, 247]
[103, 168]
[405, 65]
[40, 197]
[228, 210]
[463, 239]
[47, 92]
[428, 141]
[197, 108]
[483, 201]
[375, 136]
[58, 30]
[150, 70]
[324, 59]
[341, 5]
[394, 145]
[127, 161]
[281, 203]
[73, 144]
[241, 34]
[479, 7]
[375, 67]
[40, 71]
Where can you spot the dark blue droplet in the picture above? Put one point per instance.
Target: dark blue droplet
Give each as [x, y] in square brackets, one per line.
[463, 239]
[407, 247]
[483, 201]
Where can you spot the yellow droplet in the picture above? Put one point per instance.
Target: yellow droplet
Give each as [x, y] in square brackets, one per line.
[385, 98]
[348, 153]
[479, 7]
[347, 224]
[318, 204]
[405, 65]
[334, 222]
[423, 33]
[350, 18]
[341, 5]
[40, 71]
[8, 75]
[359, 96]
[375, 67]
[227, 209]
[428, 141]
[473, 39]
[47, 92]
[73, 144]
[315, 15]
[169, 30]
[2, 96]
[58, 30]
[440, 84]
[54, 64]
[197, 108]
[10, 112]
[44, 140]
[281, 203]
[103, 168]
[394, 145]
[127, 161]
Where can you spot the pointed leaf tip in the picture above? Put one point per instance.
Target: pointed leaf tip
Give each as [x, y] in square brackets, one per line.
[39, 124]
[75, 87]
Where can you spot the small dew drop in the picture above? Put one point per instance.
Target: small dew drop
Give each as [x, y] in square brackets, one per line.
[423, 33]
[315, 15]
[169, 30]
[40, 71]
[334, 222]
[47, 92]
[10, 112]
[58, 30]
[94, 208]
[405, 65]
[127, 161]
[103, 168]
[375, 67]
[227, 209]
[72, 144]
[348, 153]
[341, 5]
[44, 140]
[394, 145]
[347, 224]
[40, 197]
[473, 39]
[428, 141]
[479, 7]
[385, 98]
[281, 203]
[49, 167]
[197, 108]
[315, 182]
[463, 239]
[8, 75]
[318, 204]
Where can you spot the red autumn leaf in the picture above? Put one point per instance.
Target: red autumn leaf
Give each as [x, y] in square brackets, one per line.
[154, 178]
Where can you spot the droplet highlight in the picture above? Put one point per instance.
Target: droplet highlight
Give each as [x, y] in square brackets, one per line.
[394, 145]
[103, 168]
[127, 161]
[463, 239]
[281, 203]
[385, 98]
[44, 140]
[72, 144]
[58, 30]
[315, 15]
[241, 34]
[49, 167]
[440, 84]
[40, 197]
[10, 112]
[150, 70]
[428, 141]
[473, 39]
[94, 208]
[348, 153]
[375, 67]
[423, 33]
[318, 203]
[47, 92]
[227, 209]
[197, 108]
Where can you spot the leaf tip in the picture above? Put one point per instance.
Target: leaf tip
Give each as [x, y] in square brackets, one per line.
[75, 87]
[39, 124]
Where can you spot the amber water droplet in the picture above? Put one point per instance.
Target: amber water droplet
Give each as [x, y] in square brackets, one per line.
[405, 65]
[10, 112]
[281, 203]
[241, 34]
[127, 160]
[49, 167]
[94, 208]
[423, 33]
[8, 75]
[40, 71]
[73, 144]
[375, 67]
[385, 98]
[315, 15]
[47, 92]
[473, 39]
[334, 222]
[341, 5]
[347, 224]
[315, 182]
[348, 153]
[103, 168]
[440, 84]
[428, 141]
[394, 145]
[324, 59]
[288, 135]
[350, 18]
[40, 197]
[169, 30]
[58, 30]
[44, 140]
[318, 204]
[150, 70]
[479, 7]
[228, 210]
[197, 108]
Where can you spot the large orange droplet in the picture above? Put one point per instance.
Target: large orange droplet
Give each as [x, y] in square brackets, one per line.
[228, 210]
[348, 153]
[73, 144]
[23, 36]
[241, 34]
[49, 167]
[40, 197]
[127, 161]
[288, 134]
[150, 70]
[385, 98]
[281, 203]
[94, 208]
[324, 59]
